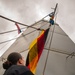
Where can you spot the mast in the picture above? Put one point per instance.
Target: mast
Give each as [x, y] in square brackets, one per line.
[51, 15]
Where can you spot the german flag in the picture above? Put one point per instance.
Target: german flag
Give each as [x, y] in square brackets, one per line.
[35, 51]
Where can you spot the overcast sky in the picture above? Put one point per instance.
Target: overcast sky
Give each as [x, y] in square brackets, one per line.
[30, 11]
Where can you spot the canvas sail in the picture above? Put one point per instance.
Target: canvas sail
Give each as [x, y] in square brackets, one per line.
[57, 47]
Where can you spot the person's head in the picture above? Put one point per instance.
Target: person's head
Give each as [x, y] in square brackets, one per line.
[13, 59]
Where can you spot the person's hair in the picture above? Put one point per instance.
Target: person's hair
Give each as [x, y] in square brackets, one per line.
[12, 59]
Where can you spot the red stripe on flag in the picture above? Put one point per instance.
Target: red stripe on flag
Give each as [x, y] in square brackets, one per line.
[40, 44]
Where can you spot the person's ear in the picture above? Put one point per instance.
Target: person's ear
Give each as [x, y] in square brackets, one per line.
[20, 61]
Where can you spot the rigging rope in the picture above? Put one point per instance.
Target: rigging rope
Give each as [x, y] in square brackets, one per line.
[51, 23]
[31, 26]
[16, 38]
[10, 31]
[7, 40]
[53, 50]
[27, 34]
[48, 51]
[22, 24]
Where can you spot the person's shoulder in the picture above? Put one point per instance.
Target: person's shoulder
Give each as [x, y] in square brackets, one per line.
[23, 70]
[28, 73]
[16, 70]
[20, 68]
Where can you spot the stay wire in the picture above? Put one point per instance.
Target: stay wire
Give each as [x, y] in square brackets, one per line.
[17, 37]
[50, 41]
[31, 26]
[10, 31]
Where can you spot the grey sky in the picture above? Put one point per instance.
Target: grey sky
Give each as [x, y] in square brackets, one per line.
[30, 11]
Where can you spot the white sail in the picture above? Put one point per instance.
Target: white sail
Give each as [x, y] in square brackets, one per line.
[54, 59]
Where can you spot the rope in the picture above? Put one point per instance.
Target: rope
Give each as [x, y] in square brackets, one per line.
[16, 38]
[72, 54]
[22, 23]
[7, 40]
[48, 50]
[10, 31]
[53, 50]
[51, 23]
[60, 51]
[2, 58]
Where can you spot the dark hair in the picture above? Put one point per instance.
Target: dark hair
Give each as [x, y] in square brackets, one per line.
[12, 60]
